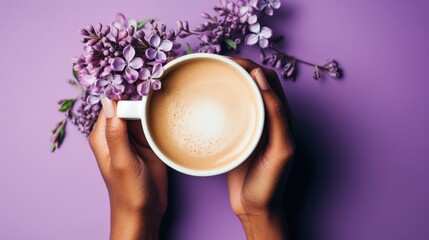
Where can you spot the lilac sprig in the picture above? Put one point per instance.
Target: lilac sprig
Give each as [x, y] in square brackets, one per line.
[238, 22]
[126, 59]
[57, 135]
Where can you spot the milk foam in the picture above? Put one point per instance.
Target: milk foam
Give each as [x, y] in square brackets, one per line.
[202, 119]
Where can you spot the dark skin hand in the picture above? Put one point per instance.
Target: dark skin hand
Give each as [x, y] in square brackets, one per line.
[256, 186]
[136, 178]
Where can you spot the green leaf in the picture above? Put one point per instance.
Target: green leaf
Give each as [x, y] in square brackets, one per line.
[66, 105]
[231, 43]
[61, 135]
[189, 48]
[53, 147]
[75, 75]
[141, 23]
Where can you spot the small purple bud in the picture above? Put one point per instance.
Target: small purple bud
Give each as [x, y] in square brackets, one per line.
[279, 63]
[115, 32]
[84, 32]
[123, 35]
[171, 34]
[131, 30]
[179, 25]
[140, 34]
[90, 29]
[98, 27]
[97, 47]
[78, 67]
[335, 74]
[92, 42]
[106, 30]
[184, 35]
[316, 73]
[103, 63]
[205, 15]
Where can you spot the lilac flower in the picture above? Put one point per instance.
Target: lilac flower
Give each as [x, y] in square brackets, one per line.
[112, 86]
[93, 99]
[87, 81]
[332, 68]
[258, 35]
[122, 23]
[248, 12]
[88, 111]
[150, 79]
[158, 48]
[130, 64]
[269, 5]
[316, 73]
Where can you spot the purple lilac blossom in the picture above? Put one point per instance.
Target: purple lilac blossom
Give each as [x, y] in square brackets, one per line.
[158, 48]
[131, 64]
[122, 23]
[150, 79]
[258, 35]
[269, 6]
[112, 86]
[248, 12]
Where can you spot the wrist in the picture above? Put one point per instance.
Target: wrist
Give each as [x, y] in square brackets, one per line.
[264, 225]
[130, 226]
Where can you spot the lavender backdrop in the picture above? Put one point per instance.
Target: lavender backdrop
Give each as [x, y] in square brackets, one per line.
[363, 153]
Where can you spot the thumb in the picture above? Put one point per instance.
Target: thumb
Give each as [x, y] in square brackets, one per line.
[117, 136]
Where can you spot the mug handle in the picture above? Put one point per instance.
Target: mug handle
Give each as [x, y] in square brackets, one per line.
[131, 110]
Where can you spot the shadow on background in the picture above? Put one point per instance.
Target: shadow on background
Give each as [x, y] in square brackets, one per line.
[174, 207]
[309, 180]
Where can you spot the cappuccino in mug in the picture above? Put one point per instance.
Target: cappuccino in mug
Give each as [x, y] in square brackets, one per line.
[206, 119]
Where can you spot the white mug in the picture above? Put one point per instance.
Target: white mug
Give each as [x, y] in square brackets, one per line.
[135, 110]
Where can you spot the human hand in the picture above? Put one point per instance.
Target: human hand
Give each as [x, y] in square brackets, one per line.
[256, 186]
[135, 178]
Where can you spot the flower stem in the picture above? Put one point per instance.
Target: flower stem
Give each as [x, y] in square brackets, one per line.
[299, 60]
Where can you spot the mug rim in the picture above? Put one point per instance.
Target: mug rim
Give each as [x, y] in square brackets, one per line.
[247, 151]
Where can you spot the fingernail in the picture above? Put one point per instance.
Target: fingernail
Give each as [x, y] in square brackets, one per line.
[261, 79]
[108, 107]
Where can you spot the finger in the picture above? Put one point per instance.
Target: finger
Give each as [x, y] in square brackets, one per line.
[236, 176]
[156, 167]
[98, 144]
[275, 84]
[121, 155]
[280, 144]
[136, 131]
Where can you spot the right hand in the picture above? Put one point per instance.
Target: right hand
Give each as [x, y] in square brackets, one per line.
[256, 186]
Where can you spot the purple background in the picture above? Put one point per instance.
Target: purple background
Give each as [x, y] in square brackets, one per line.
[363, 148]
